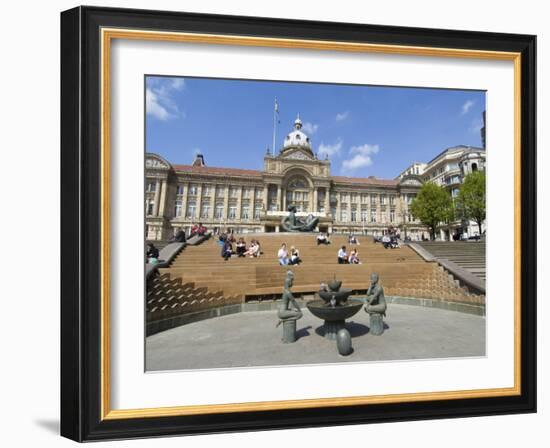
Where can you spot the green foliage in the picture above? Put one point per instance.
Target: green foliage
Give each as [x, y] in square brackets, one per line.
[432, 205]
[471, 197]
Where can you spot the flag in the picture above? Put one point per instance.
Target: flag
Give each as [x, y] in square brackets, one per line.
[276, 106]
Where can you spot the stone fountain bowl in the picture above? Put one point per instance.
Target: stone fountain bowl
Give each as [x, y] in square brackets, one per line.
[333, 313]
[339, 296]
[334, 285]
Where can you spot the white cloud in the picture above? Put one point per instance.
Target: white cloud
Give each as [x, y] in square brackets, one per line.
[310, 128]
[467, 106]
[330, 150]
[341, 116]
[158, 97]
[361, 157]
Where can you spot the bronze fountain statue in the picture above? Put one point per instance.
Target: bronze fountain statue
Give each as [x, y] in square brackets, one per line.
[334, 308]
[289, 310]
[376, 306]
[292, 223]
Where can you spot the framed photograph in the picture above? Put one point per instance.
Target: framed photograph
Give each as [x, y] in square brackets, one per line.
[276, 224]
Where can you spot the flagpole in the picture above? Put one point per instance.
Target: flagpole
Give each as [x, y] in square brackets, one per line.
[275, 111]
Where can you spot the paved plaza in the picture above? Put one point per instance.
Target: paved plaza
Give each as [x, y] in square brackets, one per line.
[251, 339]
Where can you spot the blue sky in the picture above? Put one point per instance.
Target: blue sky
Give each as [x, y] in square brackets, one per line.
[365, 130]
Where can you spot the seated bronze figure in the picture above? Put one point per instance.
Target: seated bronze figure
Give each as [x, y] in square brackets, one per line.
[292, 223]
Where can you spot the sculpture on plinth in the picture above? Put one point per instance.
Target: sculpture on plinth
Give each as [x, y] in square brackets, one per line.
[292, 223]
[289, 310]
[376, 306]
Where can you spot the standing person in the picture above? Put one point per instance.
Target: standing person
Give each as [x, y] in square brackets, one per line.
[342, 255]
[282, 255]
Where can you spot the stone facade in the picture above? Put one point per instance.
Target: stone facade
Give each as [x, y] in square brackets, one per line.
[448, 170]
[248, 201]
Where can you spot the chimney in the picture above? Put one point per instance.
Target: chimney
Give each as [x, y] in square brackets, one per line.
[199, 160]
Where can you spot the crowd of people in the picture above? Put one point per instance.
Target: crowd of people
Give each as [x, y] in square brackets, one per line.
[242, 250]
[390, 240]
[230, 246]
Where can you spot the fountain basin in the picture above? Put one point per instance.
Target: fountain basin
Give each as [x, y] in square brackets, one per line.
[339, 296]
[334, 316]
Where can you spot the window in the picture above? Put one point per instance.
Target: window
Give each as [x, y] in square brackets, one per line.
[205, 210]
[363, 215]
[193, 189]
[353, 215]
[373, 216]
[219, 211]
[244, 212]
[206, 190]
[232, 211]
[373, 199]
[392, 200]
[220, 191]
[354, 197]
[257, 211]
[150, 208]
[177, 208]
[382, 199]
[191, 209]
[246, 192]
[233, 191]
[179, 190]
[151, 187]
[343, 215]
[392, 215]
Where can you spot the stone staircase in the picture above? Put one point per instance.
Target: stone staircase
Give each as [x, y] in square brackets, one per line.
[469, 255]
[199, 278]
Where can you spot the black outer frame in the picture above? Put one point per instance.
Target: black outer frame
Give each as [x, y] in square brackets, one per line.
[80, 223]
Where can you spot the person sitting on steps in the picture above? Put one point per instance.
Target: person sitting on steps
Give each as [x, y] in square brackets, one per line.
[354, 257]
[294, 256]
[342, 256]
[241, 247]
[322, 239]
[282, 255]
[227, 250]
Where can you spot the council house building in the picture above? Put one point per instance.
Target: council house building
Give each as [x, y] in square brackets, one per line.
[249, 201]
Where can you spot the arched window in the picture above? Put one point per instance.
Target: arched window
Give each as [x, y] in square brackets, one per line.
[297, 193]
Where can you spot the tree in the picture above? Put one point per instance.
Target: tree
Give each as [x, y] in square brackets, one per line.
[471, 198]
[432, 205]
